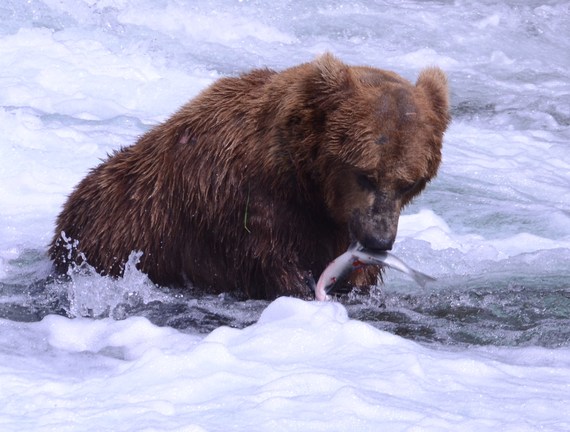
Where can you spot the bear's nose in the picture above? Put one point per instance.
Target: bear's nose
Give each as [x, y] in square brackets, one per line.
[378, 242]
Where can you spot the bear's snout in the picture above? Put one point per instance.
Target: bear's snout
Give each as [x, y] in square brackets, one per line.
[375, 230]
[377, 243]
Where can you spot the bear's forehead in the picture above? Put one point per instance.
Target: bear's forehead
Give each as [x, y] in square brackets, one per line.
[393, 103]
[371, 77]
[398, 104]
[395, 111]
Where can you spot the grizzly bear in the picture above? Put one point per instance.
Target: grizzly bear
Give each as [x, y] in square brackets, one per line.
[255, 185]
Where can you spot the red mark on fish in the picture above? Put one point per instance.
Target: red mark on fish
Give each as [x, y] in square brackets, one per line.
[357, 257]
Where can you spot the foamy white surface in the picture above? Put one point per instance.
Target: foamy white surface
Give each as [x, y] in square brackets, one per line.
[79, 79]
[303, 366]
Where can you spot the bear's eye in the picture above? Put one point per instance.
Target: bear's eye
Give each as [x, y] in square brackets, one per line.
[366, 182]
[410, 187]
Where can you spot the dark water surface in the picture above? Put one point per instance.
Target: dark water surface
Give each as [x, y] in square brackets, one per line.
[493, 309]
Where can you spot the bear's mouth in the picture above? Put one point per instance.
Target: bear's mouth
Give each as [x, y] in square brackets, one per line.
[375, 231]
[374, 243]
[377, 249]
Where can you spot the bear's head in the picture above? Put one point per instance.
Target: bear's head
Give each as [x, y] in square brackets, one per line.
[380, 146]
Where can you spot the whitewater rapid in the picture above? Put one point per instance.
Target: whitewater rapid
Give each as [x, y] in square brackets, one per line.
[485, 348]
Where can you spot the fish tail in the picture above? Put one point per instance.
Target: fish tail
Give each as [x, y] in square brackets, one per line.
[421, 278]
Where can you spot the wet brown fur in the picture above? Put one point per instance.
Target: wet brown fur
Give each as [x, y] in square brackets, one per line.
[262, 179]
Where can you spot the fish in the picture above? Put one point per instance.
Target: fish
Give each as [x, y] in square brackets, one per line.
[357, 257]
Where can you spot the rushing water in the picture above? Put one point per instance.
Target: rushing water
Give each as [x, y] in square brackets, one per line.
[79, 79]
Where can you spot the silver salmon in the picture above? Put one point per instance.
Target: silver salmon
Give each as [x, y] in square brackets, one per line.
[357, 257]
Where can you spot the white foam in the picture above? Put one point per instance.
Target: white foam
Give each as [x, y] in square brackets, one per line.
[81, 79]
[214, 26]
[302, 365]
[426, 57]
[429, 227]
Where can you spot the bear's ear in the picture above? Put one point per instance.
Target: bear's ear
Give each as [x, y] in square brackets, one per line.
[333, 75]
[434, 84]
